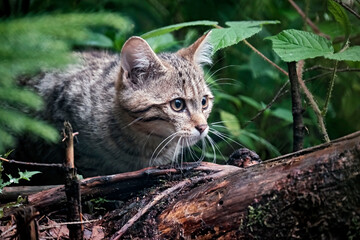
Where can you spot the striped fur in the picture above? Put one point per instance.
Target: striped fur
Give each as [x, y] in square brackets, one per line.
[121, 105]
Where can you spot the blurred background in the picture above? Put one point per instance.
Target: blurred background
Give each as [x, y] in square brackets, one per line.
[243, 83]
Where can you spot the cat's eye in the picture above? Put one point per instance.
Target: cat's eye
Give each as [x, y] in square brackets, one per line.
[177, 104]
[205, 102]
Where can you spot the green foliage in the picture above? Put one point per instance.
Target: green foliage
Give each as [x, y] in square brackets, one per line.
[33, 44]
[19, 201]
[236, 32]
[15, 180]
[340, 16]
[171, 28]
[294, 45]
[231, 123]
[350, 54]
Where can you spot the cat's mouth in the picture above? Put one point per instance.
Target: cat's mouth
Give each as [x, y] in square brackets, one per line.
[192, 138]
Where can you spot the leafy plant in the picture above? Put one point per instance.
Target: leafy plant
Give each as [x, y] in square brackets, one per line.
[13, 180]
[295, 45]
[33, 44]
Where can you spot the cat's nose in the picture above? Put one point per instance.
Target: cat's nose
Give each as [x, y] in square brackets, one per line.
[201, 128]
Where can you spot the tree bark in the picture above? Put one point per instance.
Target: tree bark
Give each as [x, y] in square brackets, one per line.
[297, 110]
[314, 193]
[311, 194]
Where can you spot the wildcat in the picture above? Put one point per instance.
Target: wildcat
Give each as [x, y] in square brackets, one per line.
[131, 110]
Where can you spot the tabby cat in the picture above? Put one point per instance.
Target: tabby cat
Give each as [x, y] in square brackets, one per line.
[131, 110]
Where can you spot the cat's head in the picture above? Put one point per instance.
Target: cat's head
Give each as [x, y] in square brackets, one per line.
[166, 94]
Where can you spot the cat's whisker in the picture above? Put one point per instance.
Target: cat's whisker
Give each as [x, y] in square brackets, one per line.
[216, 85]
[168, 139]
[176, 155]
[224, 137]
[132, 122]
[147, 140]
[216, 146]
[213, 65]
[219, 126]
[228, 121]
[222, 68]
[212, 146]
[221, 79]
[191, 151]
[203, 150]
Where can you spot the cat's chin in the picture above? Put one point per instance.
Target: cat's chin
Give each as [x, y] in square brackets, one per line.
[192, 140]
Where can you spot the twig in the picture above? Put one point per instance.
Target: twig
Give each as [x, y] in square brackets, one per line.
[297, 110]
[307, 20]
[316, 67]
[42, 228]
[32, 163]
[7, 231]
[331, 86]
[347, 7]
[72, 186]
[282, 90]
[278, 95]
[261, 55]
[142, 211]
[316, 110]
[265, 58]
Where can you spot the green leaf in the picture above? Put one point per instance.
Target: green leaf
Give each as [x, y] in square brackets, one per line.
[350, 54]
[340, 16]
[247, 141]
[175, 27]
[222, 95]
[231, 123]
[97, 40]
[251, 102]
[236, 32]
[162, 42]
[19, 122]
[5, 140]
[27, 174]
[274, 151]
[294, 45]
[283, 113]
[21, 96]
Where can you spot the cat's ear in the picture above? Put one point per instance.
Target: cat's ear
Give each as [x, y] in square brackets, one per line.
[138, 59]
[199, 52]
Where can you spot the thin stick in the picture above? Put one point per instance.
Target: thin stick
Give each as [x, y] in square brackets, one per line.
[347, 7]
[332, 69]
[298, 126]
[32, 163]
[278, 94]
[265, 58]
[307, 20]
[331, 86]
[42, 228]
[140, 213]
[7, 231]
[261, 55]
[72, 186]
[281, 91]
[316, 109]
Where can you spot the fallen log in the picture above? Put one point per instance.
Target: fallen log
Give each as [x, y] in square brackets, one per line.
[313, 193]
